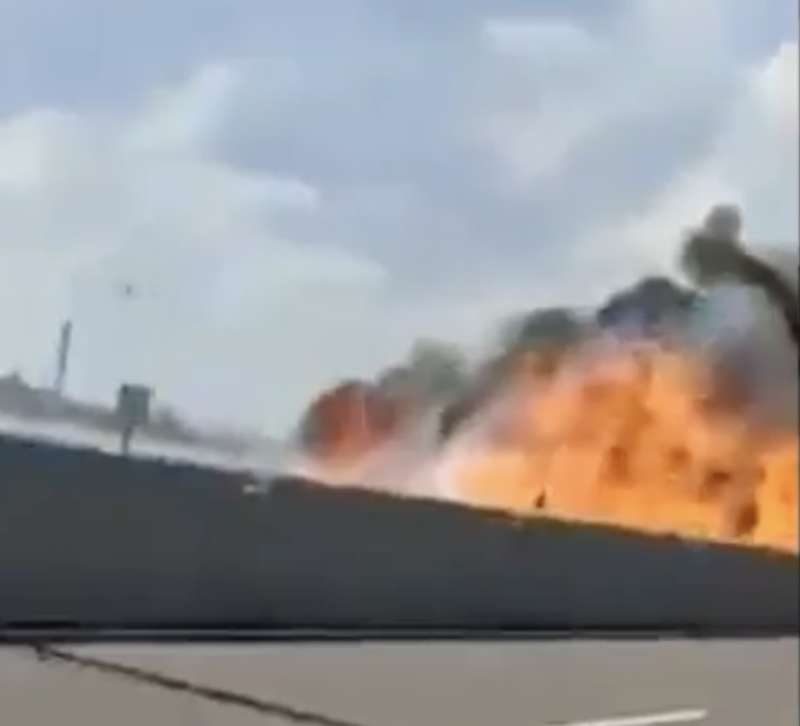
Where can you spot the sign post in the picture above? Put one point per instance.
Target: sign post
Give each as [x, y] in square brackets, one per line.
[133, 410]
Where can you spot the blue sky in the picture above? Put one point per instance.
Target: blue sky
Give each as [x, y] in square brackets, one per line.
[299, 189]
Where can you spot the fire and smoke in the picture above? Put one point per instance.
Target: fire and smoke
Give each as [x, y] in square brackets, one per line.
[672, 410]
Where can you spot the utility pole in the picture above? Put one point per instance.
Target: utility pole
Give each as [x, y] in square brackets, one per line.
[64, 344]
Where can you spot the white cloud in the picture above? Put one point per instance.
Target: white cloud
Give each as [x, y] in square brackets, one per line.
[535, 145]
[533, 137]
[242, 314]
[185, 117]
[674, 56]
[776, 85]
[548, 42]
[89, 202]
[754, 164]
[204, 109]
[660, 58]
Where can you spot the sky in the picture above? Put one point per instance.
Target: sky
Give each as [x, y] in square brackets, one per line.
[296, 190]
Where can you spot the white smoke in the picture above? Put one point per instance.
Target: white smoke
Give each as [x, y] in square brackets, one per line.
[746, 336]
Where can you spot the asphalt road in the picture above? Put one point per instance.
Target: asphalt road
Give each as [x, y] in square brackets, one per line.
[576, 683]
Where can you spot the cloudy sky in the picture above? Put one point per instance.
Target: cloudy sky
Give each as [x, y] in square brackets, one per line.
[296, 189]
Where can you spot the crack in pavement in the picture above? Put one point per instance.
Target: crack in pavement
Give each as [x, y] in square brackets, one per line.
[217, 695]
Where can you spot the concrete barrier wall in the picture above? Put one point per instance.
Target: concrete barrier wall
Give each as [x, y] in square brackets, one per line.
[88, 538]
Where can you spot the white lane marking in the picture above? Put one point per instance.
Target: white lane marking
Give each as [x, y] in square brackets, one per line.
[648, 719]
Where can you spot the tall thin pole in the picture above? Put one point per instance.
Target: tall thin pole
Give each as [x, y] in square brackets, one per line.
[65, 341]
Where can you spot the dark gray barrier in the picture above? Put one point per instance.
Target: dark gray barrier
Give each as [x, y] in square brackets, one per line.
[87, 538]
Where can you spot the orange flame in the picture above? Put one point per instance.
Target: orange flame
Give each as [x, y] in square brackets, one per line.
[639, 439]
[642, 437]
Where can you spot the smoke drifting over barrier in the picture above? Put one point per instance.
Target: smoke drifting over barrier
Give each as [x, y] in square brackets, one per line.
[669, 410]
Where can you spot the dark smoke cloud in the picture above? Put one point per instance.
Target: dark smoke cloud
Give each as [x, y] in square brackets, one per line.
[741, 311]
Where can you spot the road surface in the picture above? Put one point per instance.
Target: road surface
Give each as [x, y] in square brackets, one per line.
[571, 683]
